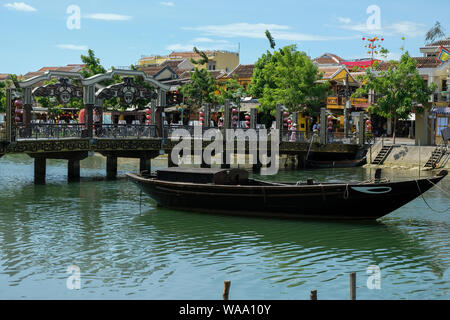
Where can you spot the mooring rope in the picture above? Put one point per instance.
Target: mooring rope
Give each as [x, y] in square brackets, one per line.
[424, 200]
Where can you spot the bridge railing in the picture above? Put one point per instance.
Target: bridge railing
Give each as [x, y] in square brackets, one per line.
[44, 131]
[125, 131]
[49, 131]
[169, 130]
[296, 136]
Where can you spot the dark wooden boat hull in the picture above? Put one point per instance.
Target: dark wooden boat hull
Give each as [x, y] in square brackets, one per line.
[319, 201]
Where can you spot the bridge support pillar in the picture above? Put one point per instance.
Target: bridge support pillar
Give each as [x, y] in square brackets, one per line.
[111, 167]
[145, 164]
[224, 164]
[73, 170]
[256, 167]
[40, 166]
[170, 163]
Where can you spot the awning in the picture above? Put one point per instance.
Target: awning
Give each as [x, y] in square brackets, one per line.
[441, 110]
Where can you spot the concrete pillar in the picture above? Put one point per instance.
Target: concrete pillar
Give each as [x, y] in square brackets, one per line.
[323, 126]
[73, 170]
[40, 170]
[227, 115]
[253, 118]
[111, 167]
[145, 164]
[89, 118]
[361, 129]
[170, 163]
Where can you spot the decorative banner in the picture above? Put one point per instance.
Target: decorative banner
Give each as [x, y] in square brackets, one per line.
[444, 55]
[63, 91]
[127, 91]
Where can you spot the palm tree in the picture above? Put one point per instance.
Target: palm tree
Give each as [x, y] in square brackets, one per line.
[435, 33]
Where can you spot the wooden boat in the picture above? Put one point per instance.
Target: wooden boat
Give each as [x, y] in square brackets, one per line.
[231, 192]
[313, 164]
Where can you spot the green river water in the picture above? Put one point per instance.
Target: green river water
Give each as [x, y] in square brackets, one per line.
[125, 251]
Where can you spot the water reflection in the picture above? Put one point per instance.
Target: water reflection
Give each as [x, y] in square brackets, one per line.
[161, 254]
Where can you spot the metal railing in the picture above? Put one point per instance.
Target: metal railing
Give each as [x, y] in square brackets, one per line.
[49, 131]
[37, 131]
[297, 136]
[124, 131]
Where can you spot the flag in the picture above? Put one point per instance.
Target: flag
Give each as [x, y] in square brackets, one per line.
[444, 55]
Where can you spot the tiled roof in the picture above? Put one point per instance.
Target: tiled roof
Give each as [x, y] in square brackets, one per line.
[4, 76]
[328, 71]
[187, 54]
[328, 58]
[242, 71]
[444, 42]
[426, 62]
[152, 70]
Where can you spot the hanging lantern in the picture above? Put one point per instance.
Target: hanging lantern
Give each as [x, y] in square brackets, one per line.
[148, 122]
[18, 103]
[148, 117]
[202, 119]
[285, 113]
[234, 123]
[235, 111]
[330, 123]
[17, 111]
[285, 119]
[17, 119]
[330, 117]
[247, 122]
[235, 118]
[289, 121]
[368, 122]
[247, 117]
[201, 113]
[148, 111]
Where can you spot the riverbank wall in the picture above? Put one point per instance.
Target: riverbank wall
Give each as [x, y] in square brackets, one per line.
[407, 156]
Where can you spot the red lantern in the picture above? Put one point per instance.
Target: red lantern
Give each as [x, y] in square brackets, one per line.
[330, 117]
[235, 118]
[247, 117]
[235, 111]
[330, 123]
[234, 123]
[364, 39]
[202, 119]
[247, 122]
[17, 111]
[289, 121]
[148, 122]
[285, 113]
[148, 117]
[285, 119]
[368, 122]
[201, 113]
[148, 111]
[17, 119]
[18, 103]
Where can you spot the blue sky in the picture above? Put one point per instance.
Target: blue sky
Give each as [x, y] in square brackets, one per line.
[35, 33]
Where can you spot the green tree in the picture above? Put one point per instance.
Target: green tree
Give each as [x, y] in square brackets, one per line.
[290, 78]
[400, 90]
[3, 86]
[201, 88]
[435, 33]
[231, 90]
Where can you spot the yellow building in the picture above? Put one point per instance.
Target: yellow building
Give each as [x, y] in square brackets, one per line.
[218, 60]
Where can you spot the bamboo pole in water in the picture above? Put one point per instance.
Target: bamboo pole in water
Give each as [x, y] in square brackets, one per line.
[226, 289]
[353, 286]
[313, 295]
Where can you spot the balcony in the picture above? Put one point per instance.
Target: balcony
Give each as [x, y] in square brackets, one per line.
[339, 102]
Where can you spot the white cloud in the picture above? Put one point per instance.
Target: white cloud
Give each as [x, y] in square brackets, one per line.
[168, 4]
[72, 47]
[107, 17]
[401, 28]
[20, 6]
[344, 20]
[257, 31]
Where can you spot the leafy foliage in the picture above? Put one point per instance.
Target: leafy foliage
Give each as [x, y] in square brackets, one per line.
[201, 88]
[203, 57]
[435, 33]
[288, 77]
[3, 86]
[400, 90]
[271, 39]
[232, 90]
